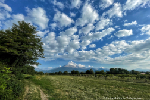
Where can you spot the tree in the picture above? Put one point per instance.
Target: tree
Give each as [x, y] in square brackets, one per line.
[87, 72]
[91, 71]
[65, 72]
[147, 72]
[19, 46]
[73, 72]
[59, 72]
[102, 72]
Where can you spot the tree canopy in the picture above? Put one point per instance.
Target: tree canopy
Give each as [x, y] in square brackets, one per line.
[20, 46]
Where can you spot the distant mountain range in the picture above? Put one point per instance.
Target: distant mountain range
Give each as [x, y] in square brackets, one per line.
[72, 66]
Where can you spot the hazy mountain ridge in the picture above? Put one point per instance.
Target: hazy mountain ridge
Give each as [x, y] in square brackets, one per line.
[78, 67]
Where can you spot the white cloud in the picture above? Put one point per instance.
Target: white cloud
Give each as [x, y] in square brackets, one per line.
[132, 4]
[53, 25]
[129, 24]
[146, 29]
[35, 66]
[62, 41]
[41, 34]
[59, 4]
[89, 15]
[4, 14]
[5, 6]
[15, 19]
[90, 66]
[92, 46]
[106, 3]
[85, 43]
[81, 66]
[86, 29]
[72, 46]
[97, 35]
[117, 27]
[115, 11]
[63, 19]
[72, 14]
[37, 16]
[75, 3]
[69, 31]
[103, 23]
[123, 33]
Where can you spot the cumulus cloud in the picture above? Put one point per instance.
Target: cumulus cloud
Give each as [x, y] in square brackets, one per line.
[62, 19]
[53, 25]
[15, 19]
[72, 14]
[85, 43]
[75, 3]
[86, 29]
[41, 34]
[89, 15]
[92, 46]
[103, 23]
[72, 64]
[5, 6]
[97, 35]
[72, 46]
[69, 31]
[129, 24]
[37, 16]
[59, 4]
[90, 66]
[123, 33]
[146, 29]
[106, 3]
[132, 4]
[115, 11]
[4, 13]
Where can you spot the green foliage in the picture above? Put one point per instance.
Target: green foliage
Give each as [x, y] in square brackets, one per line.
[19, 46]
[65, 72]
[147, 72]
[74, 72]
[5, 92]
[10, 87]
[100, 72]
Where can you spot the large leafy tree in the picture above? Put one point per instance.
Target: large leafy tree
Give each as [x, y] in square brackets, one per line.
[20, 46]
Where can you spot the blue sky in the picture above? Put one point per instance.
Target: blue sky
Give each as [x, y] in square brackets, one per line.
[98, 33]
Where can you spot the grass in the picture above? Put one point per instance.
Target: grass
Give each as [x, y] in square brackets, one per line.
[81, 88]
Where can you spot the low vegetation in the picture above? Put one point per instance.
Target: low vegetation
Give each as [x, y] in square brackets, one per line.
[59, 87]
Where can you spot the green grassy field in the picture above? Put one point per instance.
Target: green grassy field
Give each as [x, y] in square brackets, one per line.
[82, 88]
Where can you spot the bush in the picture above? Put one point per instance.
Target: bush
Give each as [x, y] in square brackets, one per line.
[10, 87]
[17, 86]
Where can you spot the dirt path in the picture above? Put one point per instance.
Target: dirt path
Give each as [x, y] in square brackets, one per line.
[43, 96]
[33, 92]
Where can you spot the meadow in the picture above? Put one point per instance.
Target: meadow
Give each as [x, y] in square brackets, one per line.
[63, 87]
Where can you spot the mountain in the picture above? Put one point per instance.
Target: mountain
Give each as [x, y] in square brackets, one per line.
[72, 66]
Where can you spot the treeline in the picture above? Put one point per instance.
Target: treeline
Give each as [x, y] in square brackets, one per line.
[18, 49]
[112, 71]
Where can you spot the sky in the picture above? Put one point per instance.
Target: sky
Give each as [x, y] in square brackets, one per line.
[88, 33]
